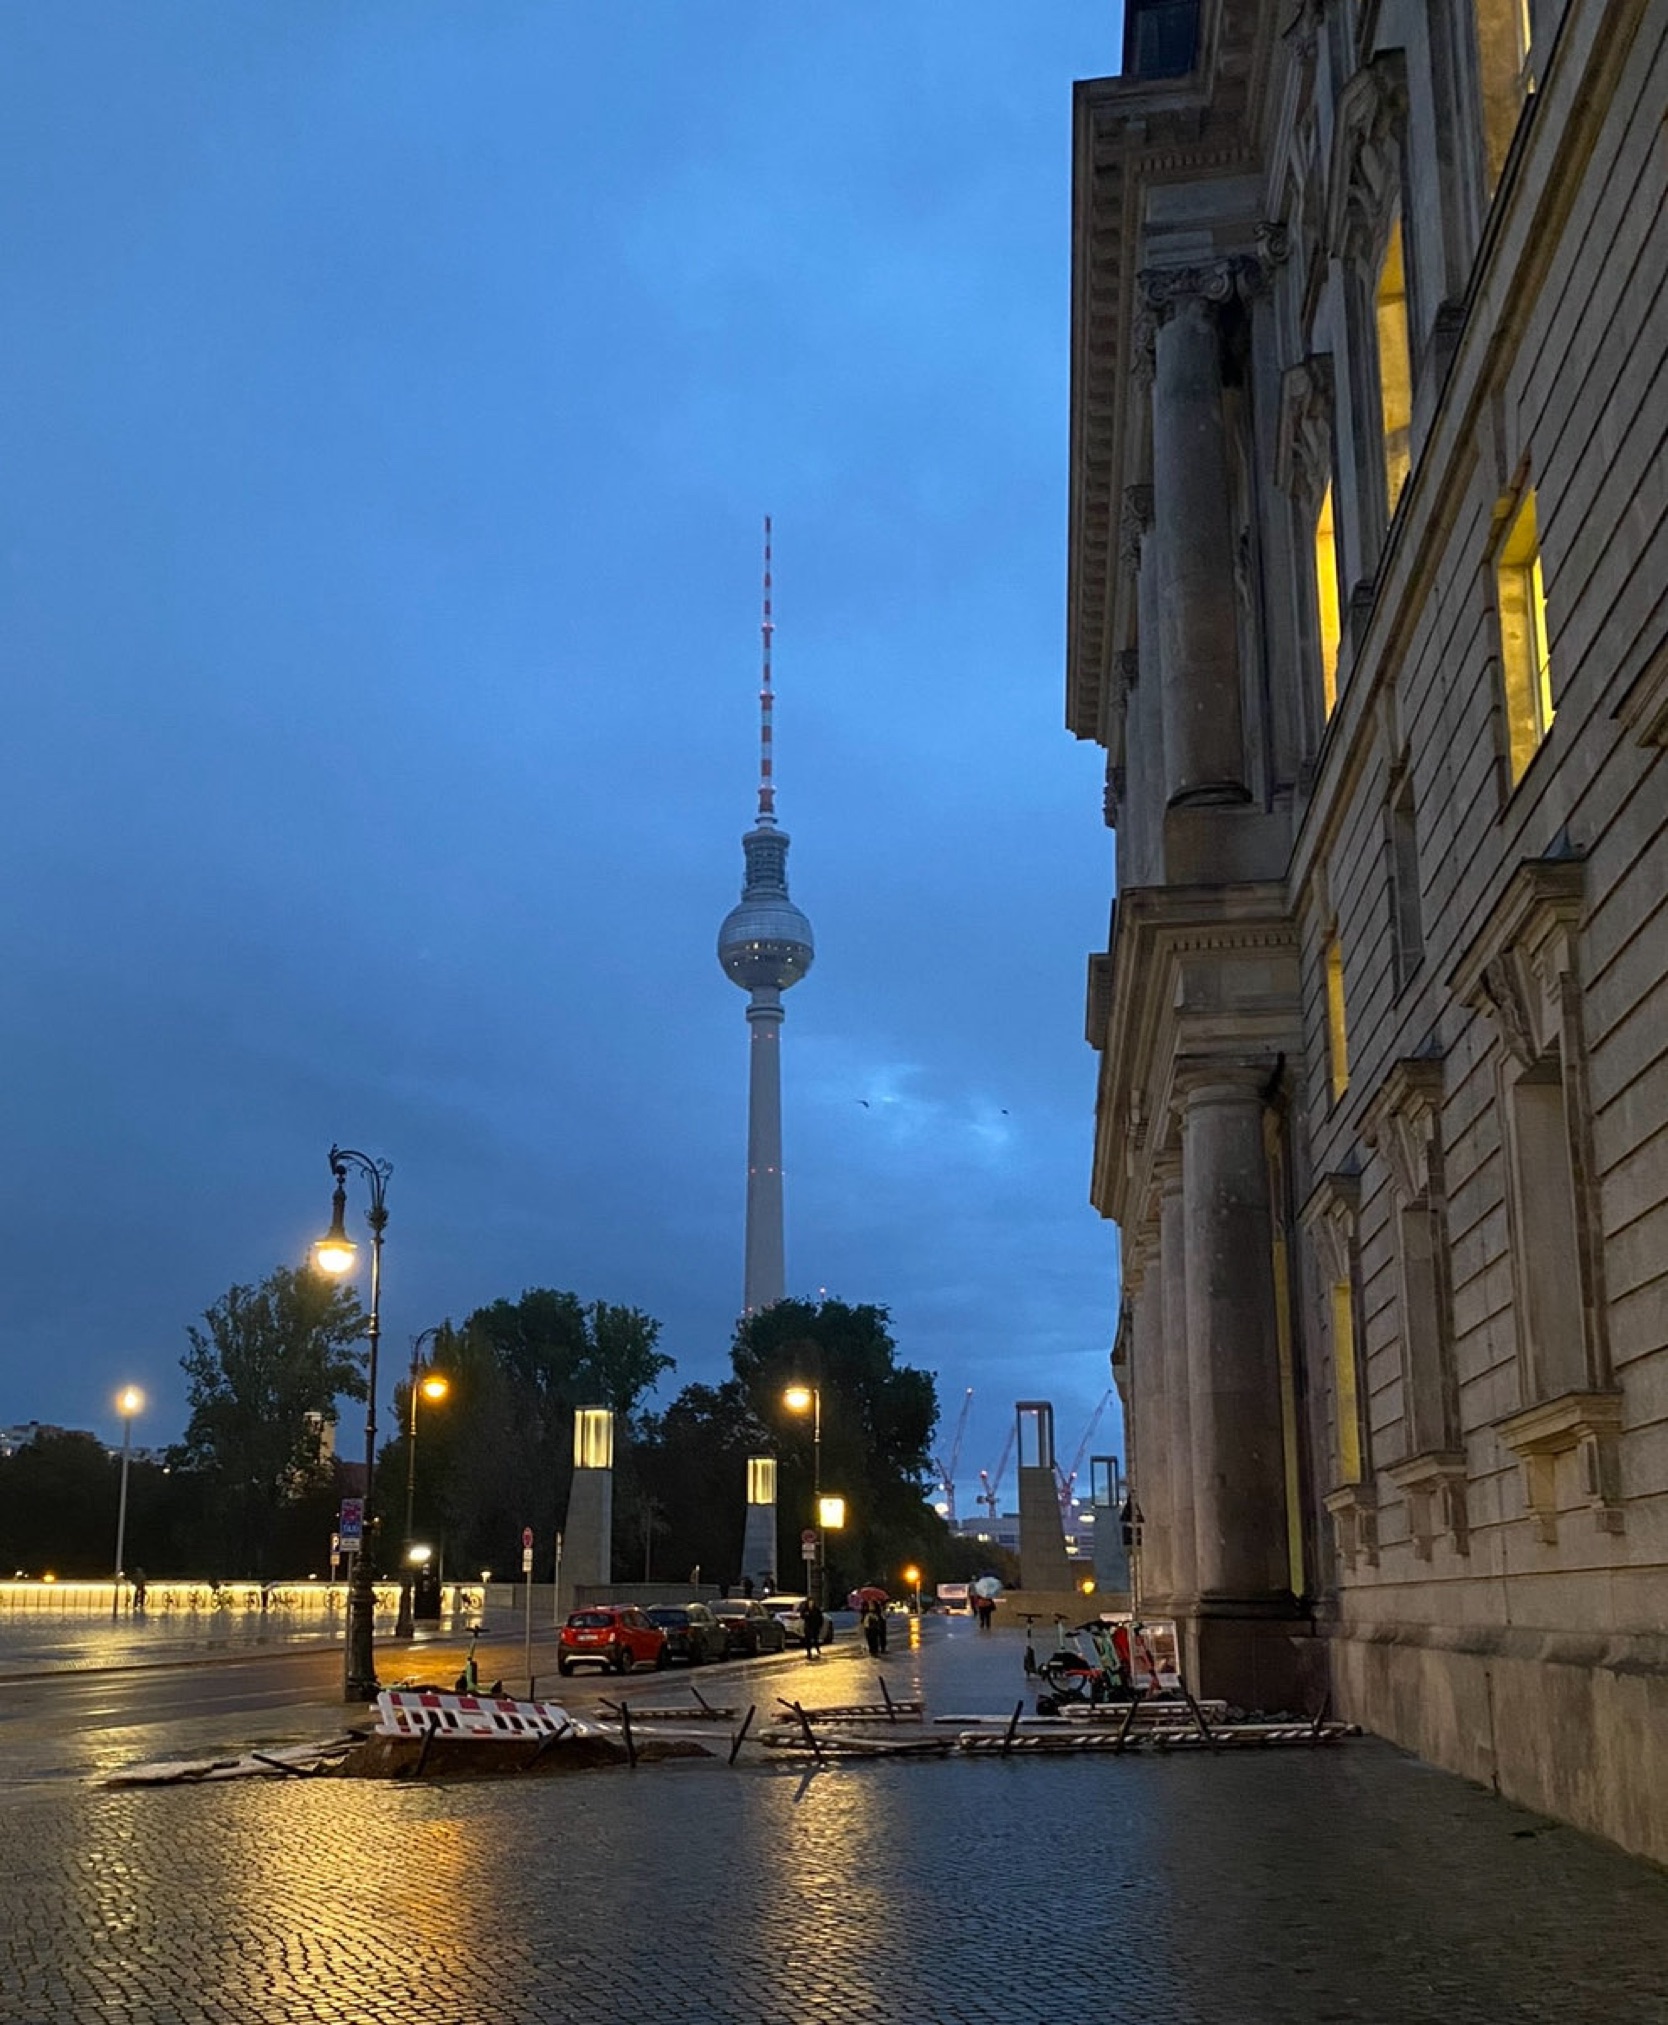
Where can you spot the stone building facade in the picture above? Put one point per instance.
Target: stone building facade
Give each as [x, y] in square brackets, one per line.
[1368, 605]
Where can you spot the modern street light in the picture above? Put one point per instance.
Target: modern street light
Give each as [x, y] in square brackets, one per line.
[129, 1401]
[431, 1385]
[335, 1253]
[799, 1399]
[912, 1575]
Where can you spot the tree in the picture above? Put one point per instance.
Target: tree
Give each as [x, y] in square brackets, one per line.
[500, 1455]
[265, 1375]
[686, 1470]
[877, 1421]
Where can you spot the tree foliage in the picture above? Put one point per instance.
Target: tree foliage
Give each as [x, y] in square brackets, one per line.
[877, 1421]
[497, 1455]
[264, 1376]
[681, 1502]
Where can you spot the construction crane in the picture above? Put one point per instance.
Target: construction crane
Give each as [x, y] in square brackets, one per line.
[1068, 1478]
[992, 1479]
[947, 1470]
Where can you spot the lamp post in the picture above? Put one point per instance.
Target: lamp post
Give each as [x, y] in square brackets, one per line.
[335, 1253]
[430, 1386]
[799, 1399]
[129, 1401]
[912, 1575]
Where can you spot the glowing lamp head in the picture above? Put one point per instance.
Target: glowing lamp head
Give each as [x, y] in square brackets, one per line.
[798, 1398]
[912, 1576]
[831, 1513]
[129, 1401]
[335, 1252]
[434, 1386]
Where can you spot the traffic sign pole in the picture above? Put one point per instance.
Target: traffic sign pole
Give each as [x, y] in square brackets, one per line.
[527, 1578]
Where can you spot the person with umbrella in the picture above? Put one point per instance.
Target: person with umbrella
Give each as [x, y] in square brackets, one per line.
[871, 1601]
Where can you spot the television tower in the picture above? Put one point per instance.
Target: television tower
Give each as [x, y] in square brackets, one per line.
[765, 946]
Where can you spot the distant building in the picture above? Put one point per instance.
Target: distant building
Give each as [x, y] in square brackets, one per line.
[1367, 555]
[23, 1432]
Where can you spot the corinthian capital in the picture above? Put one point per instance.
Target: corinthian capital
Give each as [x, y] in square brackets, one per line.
[1137, 522]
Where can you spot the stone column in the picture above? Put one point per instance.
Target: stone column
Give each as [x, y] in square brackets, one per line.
[1150, 1475]
[1204, 733]
[1184, 1578]
[1241, 1634]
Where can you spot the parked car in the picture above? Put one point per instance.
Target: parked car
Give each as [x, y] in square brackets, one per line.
[748, 1626]
[692, 1632]
[615, 1636]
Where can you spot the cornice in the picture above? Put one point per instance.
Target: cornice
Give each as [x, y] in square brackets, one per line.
[1206, 973]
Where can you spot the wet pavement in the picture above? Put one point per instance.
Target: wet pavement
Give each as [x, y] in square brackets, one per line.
[1281, 1888]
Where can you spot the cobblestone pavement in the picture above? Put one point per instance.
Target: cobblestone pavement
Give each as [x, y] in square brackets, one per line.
[1289, 1888]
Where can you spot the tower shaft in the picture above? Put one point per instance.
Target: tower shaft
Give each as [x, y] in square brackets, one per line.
[765, 1272]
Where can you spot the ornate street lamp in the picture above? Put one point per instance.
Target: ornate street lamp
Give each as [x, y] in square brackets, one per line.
[129, 1401]
[800, 1399]
[335, 1253]
[431, 1385]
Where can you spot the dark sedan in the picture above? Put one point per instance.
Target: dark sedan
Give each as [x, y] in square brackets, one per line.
[749, 1627]
[693, 1634]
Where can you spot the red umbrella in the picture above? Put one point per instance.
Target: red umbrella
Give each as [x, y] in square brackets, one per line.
[868, 1594]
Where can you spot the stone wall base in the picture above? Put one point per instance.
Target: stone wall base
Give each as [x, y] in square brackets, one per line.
[1251, 1662]
[1574, 1728]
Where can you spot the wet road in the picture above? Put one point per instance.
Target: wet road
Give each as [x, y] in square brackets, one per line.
[1278, 1889]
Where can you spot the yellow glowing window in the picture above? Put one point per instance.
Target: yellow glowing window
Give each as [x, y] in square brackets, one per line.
[1327, 610]
[761, 1480]
[593, 1438]
[1345, 1383]
[1395, 367]
[1337, 1031]
[1525, 657]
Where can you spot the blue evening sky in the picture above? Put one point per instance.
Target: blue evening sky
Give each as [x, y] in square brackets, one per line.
[394, 391]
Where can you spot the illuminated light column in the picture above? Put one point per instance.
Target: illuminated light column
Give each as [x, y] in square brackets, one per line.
[588, 1536]
[758, 1540]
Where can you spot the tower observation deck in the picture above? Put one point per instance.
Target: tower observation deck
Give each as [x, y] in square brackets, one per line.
[765, 946]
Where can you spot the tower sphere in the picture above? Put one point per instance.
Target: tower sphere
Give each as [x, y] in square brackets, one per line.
[765, 942]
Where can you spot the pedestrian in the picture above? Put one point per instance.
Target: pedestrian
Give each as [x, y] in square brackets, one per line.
[813, 1620]
[874, 1627]
[139, 1588]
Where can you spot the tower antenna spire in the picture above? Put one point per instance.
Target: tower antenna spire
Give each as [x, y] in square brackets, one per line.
[767, 699]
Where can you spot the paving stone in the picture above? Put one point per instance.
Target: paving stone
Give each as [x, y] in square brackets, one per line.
[1287, 1888]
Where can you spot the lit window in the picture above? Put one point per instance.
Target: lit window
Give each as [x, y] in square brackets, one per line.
[1337, 1031]
[1395, 366]
[1525, 657]
[1328, 613]
[1506, 70]
[1344, 1379]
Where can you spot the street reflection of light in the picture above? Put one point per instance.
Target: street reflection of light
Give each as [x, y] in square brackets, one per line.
[832, 1840]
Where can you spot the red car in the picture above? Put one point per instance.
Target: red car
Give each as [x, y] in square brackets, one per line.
[611, 1635]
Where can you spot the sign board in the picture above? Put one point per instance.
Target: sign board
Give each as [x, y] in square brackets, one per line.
[808, 1540]
[526, 1560]
[526, 1539]
[351, 1524]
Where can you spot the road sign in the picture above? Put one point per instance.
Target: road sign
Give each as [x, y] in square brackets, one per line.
[808, 1540]
[351, 1524]
[526, 1538]
[526, 1560]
